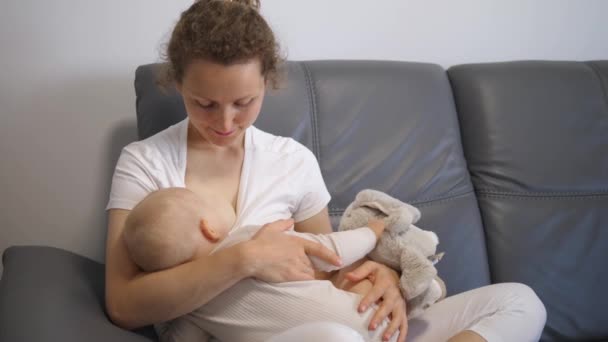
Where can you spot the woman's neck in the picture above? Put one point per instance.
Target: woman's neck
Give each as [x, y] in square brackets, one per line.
[198, 142]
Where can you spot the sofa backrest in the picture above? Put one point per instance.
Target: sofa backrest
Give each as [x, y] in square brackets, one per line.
[535, 136]
[390, 126]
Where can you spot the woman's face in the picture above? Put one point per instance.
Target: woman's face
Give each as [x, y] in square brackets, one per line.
[222, 101]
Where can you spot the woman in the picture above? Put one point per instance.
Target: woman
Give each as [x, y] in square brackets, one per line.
[222, 55]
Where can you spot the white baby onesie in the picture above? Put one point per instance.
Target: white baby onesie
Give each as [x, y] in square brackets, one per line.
[254, 310]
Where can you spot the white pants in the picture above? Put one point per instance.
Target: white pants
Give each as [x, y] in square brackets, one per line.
[500, 312]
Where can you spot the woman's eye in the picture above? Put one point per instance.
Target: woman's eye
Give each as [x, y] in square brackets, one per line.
[245, 103]
[205, 105]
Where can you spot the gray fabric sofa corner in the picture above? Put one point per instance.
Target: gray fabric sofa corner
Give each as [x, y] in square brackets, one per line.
[508, 163]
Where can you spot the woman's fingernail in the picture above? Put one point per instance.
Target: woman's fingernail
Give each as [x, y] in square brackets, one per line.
[362, 308]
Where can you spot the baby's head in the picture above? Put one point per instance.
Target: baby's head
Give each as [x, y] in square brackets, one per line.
[164, 229]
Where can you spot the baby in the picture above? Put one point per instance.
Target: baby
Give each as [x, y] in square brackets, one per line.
[167, 229]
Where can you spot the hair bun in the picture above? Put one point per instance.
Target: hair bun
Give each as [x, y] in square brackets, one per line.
[255, 4]
[251, 3]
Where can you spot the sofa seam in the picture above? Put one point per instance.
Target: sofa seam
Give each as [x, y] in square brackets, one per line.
[313, 111]
[418, 203]
[541, 197]
[599, 192]
[603, 85]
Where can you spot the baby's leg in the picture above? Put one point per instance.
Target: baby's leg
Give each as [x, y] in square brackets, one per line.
[319, 331]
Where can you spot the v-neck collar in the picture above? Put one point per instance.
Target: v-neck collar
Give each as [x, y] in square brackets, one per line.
[244, 176]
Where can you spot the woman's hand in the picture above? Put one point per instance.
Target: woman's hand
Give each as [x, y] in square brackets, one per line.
[278, 257]
[386, 293]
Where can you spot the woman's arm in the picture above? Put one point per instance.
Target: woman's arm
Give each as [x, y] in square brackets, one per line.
[135, 298]
[318, 224]
[385, 281]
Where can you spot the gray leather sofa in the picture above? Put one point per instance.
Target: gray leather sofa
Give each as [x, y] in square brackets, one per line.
[508, 163]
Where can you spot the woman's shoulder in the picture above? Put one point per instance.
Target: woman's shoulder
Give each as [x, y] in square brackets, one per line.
[165, 142]
[145, 166]
[264, 141]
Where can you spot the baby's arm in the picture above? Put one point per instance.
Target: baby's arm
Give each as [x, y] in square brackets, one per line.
[350, 245]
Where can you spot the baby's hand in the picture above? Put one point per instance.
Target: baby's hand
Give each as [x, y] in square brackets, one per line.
[377, 226]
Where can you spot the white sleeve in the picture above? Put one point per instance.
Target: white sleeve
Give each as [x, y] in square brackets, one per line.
[349, 245]
[312, 192]
[131, 182]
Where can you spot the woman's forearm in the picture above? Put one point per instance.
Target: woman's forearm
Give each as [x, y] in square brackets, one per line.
[160, 296]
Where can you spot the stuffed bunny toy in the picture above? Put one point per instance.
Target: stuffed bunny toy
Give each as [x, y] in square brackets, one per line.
[402, 246]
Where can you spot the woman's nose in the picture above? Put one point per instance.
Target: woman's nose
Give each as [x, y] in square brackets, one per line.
[227, 118]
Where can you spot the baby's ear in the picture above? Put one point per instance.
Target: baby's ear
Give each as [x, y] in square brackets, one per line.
[207, 231]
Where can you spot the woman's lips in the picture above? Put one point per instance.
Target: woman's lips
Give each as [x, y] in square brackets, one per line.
[224, 134]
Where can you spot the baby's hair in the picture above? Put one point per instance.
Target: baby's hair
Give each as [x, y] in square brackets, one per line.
[161, 231]
[224, 32]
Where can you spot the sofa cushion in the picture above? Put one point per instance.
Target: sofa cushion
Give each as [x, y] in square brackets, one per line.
[392, 126]
[389, 126]
[49, 294]
[535, 136]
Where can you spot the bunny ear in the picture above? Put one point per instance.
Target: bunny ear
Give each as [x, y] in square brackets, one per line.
[374, 205]
[384, 202]
[375, 200]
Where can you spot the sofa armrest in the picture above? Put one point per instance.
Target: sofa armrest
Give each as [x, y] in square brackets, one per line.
[48, 294]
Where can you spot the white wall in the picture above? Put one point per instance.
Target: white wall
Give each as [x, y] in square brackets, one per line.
[443, 32]
[66, 73]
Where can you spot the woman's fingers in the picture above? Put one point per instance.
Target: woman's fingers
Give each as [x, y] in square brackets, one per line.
[385, 308]
[316, 249]
[362, 272]
[385, 290]
[368, 270]
[396, 322]
[403, 330]
[372, 297]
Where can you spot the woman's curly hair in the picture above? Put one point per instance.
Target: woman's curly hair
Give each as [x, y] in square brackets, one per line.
[224, 32]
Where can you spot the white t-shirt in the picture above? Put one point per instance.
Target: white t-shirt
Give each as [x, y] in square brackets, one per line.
[280, 177]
